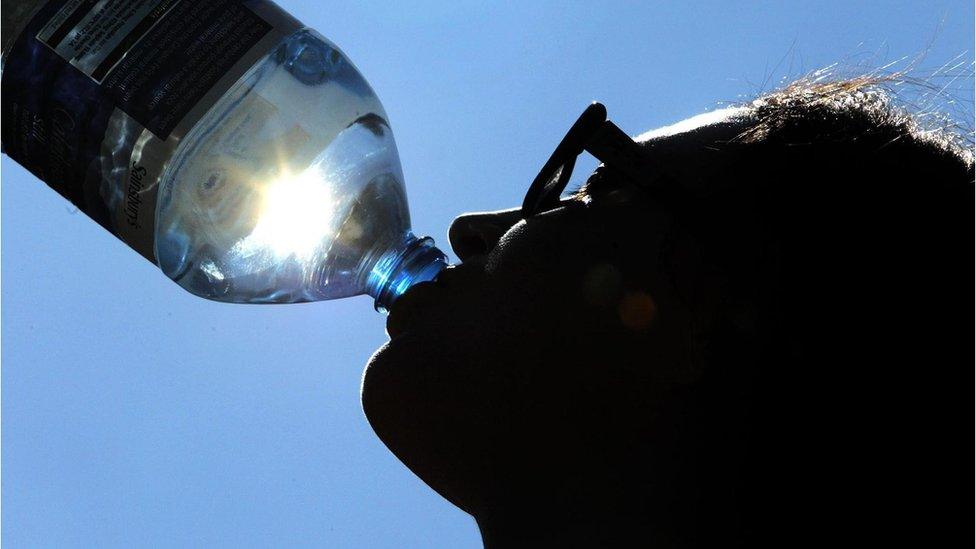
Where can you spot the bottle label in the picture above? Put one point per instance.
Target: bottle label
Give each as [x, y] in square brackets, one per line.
[98, 94]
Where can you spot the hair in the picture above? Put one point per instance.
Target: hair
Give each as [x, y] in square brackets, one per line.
[860, 166]
[851, 109]
[843, 232]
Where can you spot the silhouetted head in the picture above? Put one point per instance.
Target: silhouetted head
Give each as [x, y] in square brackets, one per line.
[767, 346]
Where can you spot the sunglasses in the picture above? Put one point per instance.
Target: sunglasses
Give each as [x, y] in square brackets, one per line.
[593, 133]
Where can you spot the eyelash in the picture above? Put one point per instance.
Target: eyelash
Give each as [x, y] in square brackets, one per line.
[573, 190]
[577, 188]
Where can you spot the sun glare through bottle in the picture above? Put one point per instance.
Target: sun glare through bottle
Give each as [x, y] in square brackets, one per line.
[256, 166]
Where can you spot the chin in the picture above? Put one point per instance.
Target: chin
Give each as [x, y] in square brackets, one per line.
[384, 387]
[380, 369]
[396, 373]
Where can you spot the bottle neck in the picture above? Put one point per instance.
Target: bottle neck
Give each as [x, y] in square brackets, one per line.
[415, 260]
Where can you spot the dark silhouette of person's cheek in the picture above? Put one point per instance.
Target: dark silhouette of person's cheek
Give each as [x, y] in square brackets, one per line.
[477, 233]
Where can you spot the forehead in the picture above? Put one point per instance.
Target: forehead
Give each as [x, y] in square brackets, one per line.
[697, 123]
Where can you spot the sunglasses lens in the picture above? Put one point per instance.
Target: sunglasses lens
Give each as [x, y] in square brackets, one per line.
[554, 186]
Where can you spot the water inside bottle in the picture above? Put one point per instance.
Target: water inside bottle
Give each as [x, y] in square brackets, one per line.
[289, 189]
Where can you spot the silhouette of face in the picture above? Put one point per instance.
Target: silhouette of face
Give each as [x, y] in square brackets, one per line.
[542, 357]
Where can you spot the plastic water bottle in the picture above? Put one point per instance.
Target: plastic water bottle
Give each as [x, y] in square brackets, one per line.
[241, 152]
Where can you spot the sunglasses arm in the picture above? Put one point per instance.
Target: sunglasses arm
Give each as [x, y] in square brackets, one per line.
[617, 150]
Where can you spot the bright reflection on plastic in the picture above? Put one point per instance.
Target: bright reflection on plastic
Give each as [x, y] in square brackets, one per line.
[295, 216]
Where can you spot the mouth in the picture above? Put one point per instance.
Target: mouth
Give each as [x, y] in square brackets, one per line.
[416, 304]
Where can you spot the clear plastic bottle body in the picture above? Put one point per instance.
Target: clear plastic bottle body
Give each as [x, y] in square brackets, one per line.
[240, 151]
[289, 189]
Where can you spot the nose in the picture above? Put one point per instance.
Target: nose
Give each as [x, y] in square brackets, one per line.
[477, 233]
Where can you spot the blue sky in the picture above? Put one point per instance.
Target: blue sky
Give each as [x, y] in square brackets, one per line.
[134, 414]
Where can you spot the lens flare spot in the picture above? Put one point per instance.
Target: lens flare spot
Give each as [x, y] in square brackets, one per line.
[636, 311]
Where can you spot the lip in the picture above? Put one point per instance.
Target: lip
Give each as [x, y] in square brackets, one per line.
[415, 304]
